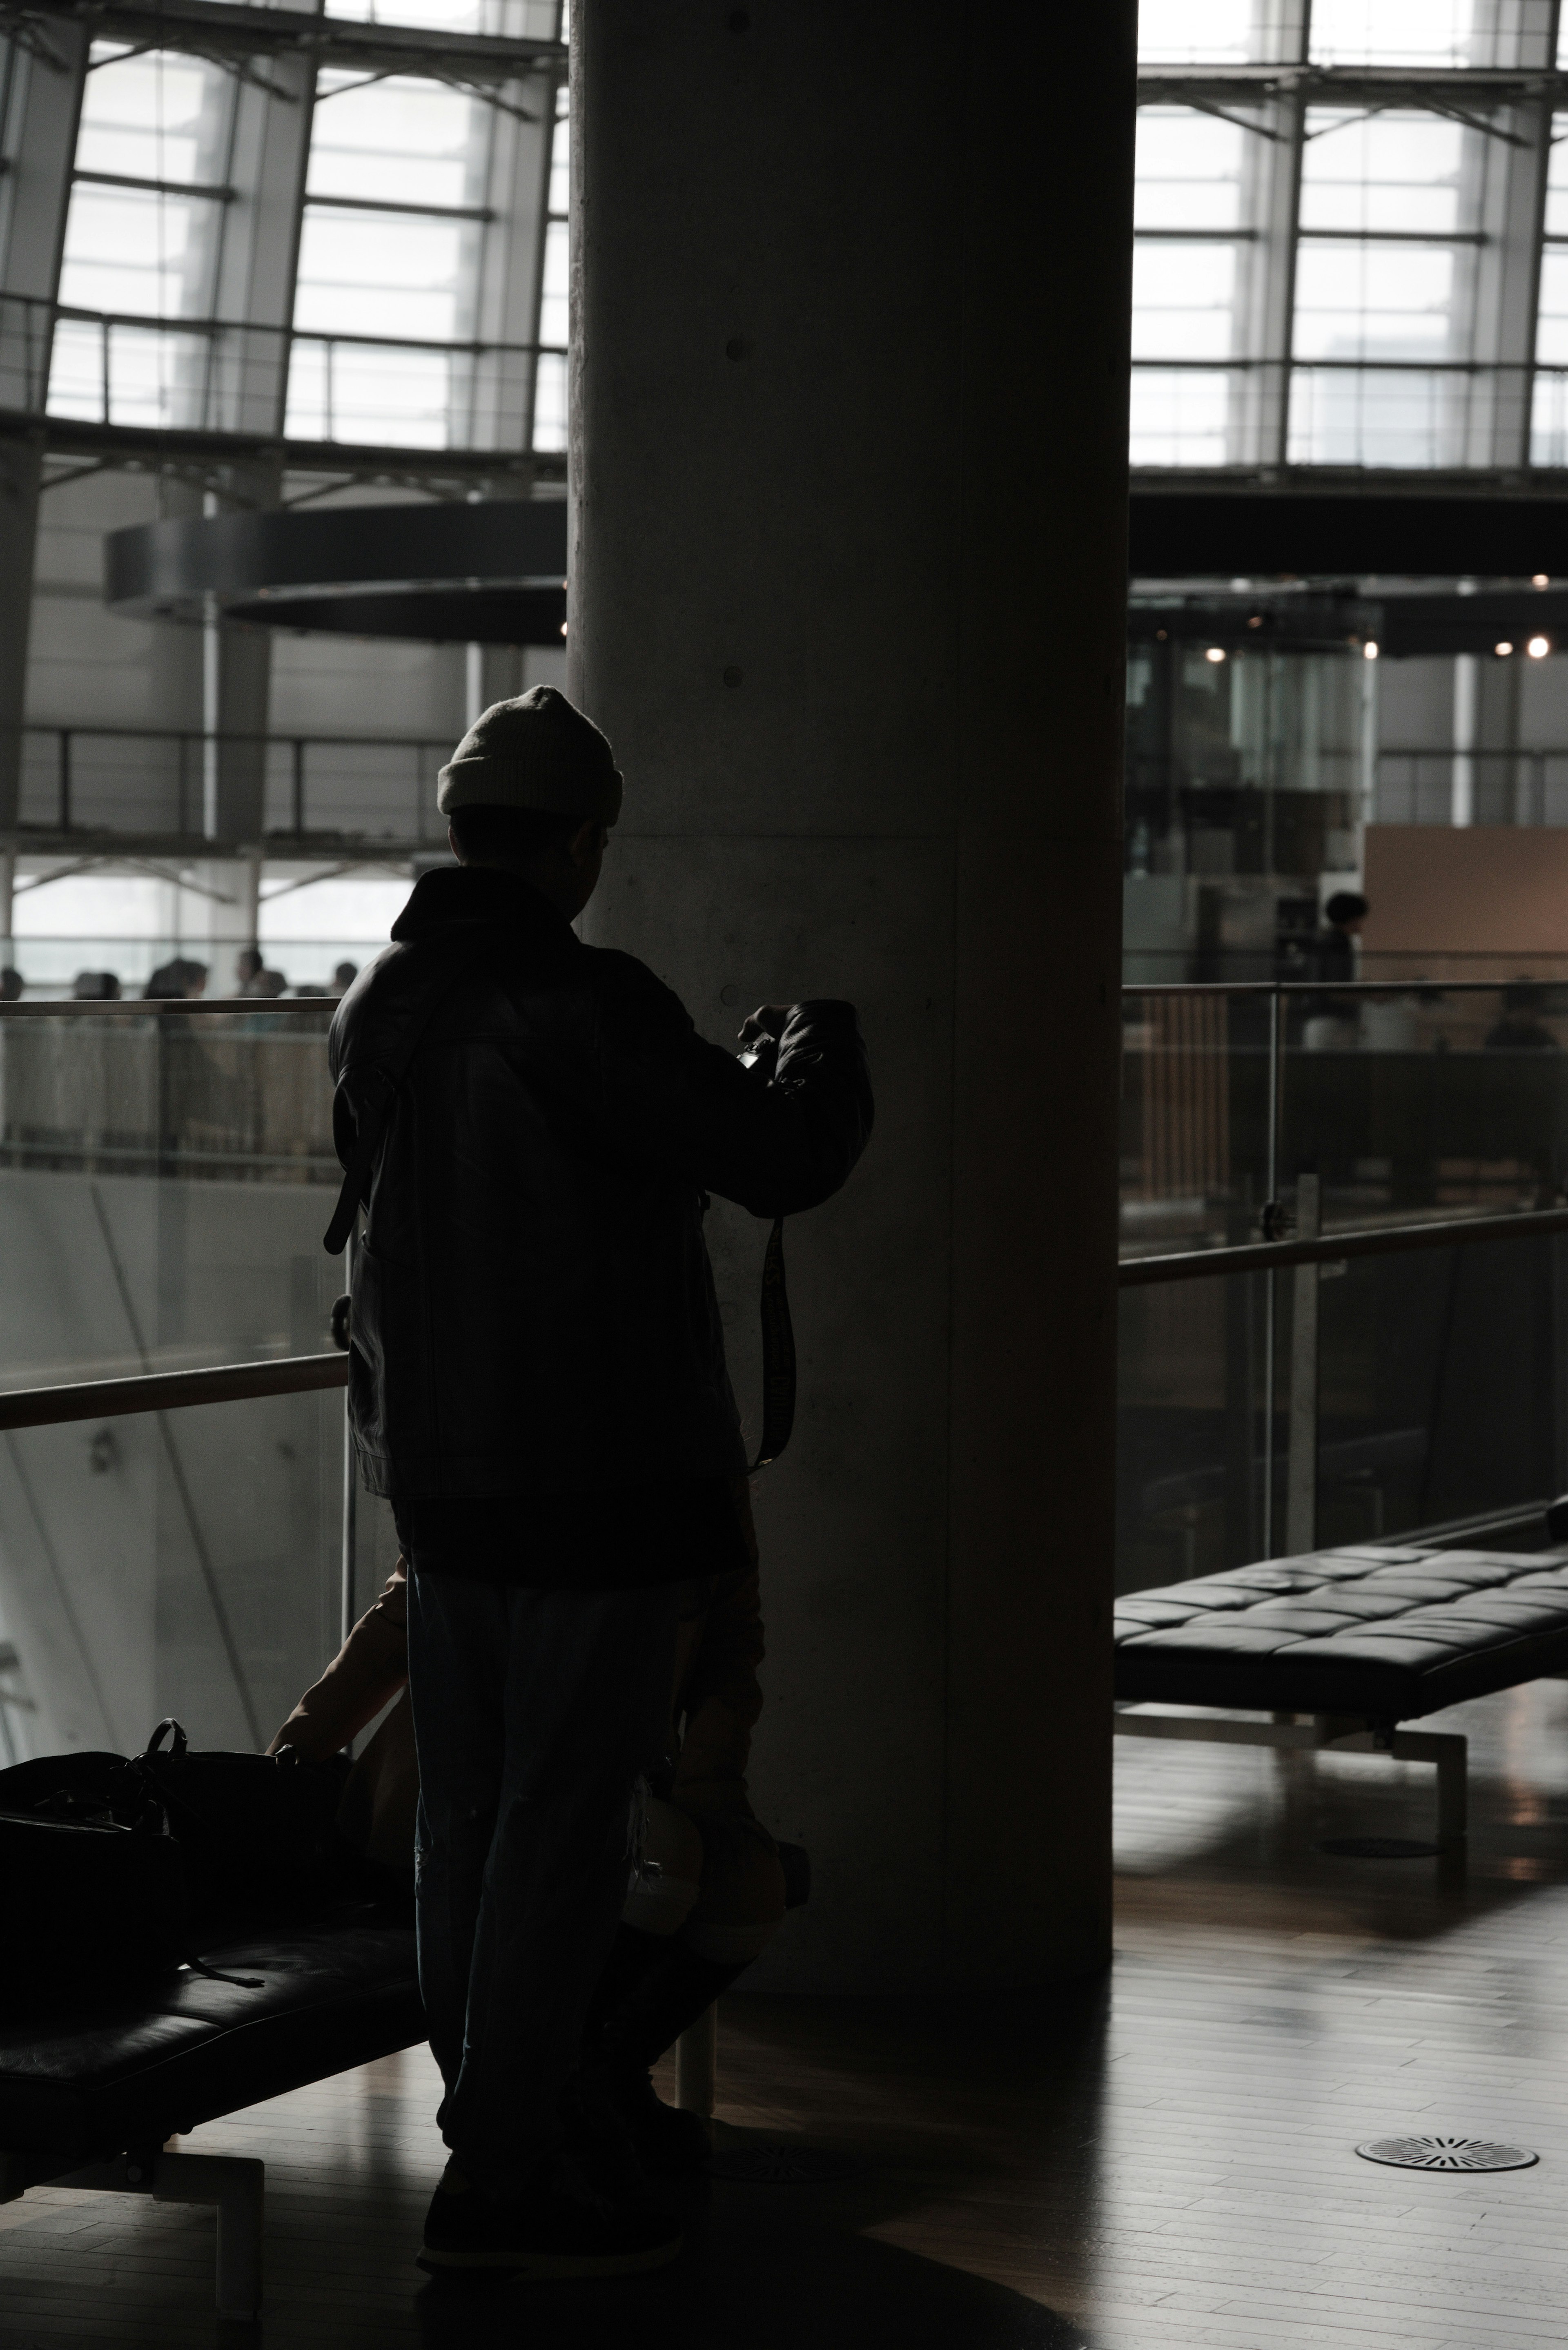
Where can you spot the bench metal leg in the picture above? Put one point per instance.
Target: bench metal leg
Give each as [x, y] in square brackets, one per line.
[1320, 1732]
[1450, 1752]
[696, 2064]
[235, 2183]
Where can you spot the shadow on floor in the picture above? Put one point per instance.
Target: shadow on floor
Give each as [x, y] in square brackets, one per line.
[808, 2268]
[767, 2281]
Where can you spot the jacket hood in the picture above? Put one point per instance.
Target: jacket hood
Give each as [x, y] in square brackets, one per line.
[451, 894]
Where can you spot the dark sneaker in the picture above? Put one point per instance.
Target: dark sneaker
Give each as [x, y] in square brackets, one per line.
[552, 2232]
[668, 2140]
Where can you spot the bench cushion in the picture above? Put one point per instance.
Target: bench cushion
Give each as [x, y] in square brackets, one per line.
[1384, 1632]
[132, 2069]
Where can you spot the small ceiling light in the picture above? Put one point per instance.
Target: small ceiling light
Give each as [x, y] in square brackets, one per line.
[563, 627]
[1538, 647]
[1215, 653]
[1504, 647]
[1369, 649]
[1539, 580]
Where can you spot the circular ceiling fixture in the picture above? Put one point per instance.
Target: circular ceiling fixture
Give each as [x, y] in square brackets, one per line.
[445, 572]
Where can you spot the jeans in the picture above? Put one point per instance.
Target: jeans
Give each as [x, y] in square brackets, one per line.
[535, 1712]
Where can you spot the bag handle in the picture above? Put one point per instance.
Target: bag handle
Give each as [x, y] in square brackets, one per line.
[178, 1745]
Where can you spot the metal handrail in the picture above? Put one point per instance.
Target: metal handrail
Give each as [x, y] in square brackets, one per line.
[169, 1391]
[1333, 1248]
[71, 1007]
[1331, 986]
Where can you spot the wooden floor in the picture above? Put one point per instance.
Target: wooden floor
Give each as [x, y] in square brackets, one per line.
[1166, 2160]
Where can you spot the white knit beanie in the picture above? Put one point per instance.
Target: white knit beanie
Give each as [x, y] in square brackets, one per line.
[538, 753]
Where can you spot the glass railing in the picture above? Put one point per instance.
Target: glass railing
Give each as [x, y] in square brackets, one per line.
[171, 1420]
[166, 1175]
[1353, 1396]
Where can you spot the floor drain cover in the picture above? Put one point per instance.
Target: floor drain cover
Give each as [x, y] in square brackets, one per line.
[1379, 1848]
[780, 2166]
[1446, 2154]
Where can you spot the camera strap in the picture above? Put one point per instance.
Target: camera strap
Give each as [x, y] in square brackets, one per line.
[778, 1355]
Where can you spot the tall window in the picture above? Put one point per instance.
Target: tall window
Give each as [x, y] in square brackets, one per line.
[1549, 425]
[1384, 290]
[1186, 268]
[1337, 235]
[142, 240]
[1395, 33]
[388, 262]
[550, 380]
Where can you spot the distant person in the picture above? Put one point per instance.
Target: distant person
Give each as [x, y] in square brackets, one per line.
[1332, 1023]
[343, 977]
[1521, 1029]
[255, 978]
[536, 1381]
[13, 986]
[96, 987]
[1333, 950]
[181, 980]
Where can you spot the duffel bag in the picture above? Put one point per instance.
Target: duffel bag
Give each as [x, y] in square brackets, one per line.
[258, 1832]
[86, 1902]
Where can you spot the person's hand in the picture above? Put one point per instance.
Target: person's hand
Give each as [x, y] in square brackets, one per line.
[769, 1020]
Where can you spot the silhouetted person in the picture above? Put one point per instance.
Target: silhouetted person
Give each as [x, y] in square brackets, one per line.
[13, 986]
[181, 980]
[96, 987]
[1521, 1029]
[537, 1381]
[255, 978]
[1333, 950]
[344, 974]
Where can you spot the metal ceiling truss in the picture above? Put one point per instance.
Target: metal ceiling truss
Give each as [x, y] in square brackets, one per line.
[478, 65]
[1473, 97]
[204, 459]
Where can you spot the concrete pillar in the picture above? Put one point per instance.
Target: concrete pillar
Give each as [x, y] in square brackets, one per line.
[848, 459]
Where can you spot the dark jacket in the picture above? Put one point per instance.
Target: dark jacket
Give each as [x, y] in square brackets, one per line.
[534, 1309]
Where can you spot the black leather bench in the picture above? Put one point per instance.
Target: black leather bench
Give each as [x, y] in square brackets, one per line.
[1358, 1641]
[87, 2098]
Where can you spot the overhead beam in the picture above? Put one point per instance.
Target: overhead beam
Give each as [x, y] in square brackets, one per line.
[210, 27]
[1479, 529]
